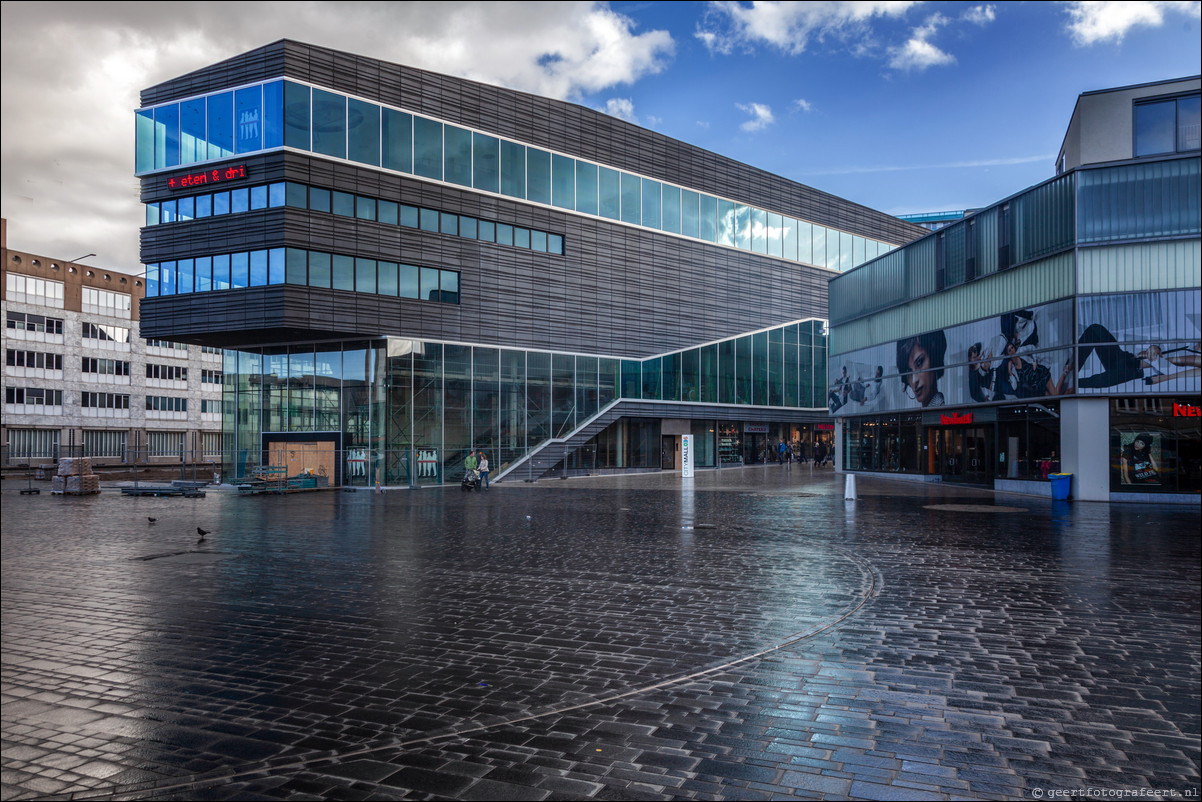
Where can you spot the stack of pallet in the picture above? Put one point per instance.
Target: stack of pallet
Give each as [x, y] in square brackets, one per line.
[75, 477]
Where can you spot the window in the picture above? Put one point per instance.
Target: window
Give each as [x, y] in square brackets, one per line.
[104, 302]
[165, 444]
[104, 367]
[102, 443]
[210, 377]
[167, 344]
[166, 403]
[105, 333]
[103, 401]
[33, 359]
[35, 396]
[174, 373]
[22, 321]
[27, 444]
[1169, 125]
[20, 288]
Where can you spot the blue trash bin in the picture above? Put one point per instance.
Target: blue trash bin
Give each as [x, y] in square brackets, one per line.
[1062, 484]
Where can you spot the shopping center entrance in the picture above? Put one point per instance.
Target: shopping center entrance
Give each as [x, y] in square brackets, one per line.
[962, 453]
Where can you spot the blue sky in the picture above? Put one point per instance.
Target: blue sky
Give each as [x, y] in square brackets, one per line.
[901, 106]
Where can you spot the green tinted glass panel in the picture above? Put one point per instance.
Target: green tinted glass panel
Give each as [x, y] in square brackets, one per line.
[563, 182]
[631, 194]
[670, 217]
[538, 175]
[609, 189]
[427, 148]
[513, 169]
[397, 146]
[586, 187]
[296, 116]
[486, 159]
[329, 123]
[457, 155]
[363, 132]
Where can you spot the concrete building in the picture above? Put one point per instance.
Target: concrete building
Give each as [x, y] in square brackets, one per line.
[407, 266]
[1057, 330]
[79, 380]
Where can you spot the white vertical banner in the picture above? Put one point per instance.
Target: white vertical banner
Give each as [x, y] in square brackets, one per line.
[686, 456]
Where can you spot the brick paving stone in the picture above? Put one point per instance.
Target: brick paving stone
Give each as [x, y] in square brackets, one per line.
[431, 645]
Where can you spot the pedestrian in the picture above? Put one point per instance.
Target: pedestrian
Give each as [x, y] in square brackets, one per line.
[482, 467]
[819, 454]
[788, 456]
[471, 464]
[780, 452]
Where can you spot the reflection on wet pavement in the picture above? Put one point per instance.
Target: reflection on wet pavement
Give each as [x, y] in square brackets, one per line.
[745, 633]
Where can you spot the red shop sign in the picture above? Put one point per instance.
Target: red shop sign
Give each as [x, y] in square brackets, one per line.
[955, 418]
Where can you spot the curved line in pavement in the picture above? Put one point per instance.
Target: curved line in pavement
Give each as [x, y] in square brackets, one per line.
[470, 729]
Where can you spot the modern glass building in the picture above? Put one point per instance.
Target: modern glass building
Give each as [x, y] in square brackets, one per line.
[405, 266]
[1057, 330]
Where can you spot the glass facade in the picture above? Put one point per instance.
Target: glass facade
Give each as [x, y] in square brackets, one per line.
[252, 119]
[413, 409]
[342, 204]
[304, 268]
[1094, 205]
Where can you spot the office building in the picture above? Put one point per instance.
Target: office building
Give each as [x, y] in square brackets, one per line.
[79, 380]
[406, 266]
[1054, 331]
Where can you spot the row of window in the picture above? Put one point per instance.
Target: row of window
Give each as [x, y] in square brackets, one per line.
[168, 344]
[330, 124]
[105, 332]
[104, 400]
[166, 403]
[106, 367]
[106, 302]
[25, 321]
[172, 373]
[344, 204]
[37, 396]
[304, 268]
[210, 377]
[20, 288]
[1159, 199]
[33, 359]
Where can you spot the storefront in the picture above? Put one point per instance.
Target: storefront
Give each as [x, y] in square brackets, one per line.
[1155, 445]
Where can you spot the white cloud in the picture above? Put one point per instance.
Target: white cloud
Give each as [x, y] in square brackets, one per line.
[67, 183]
[980, 15]
[1092, 21]
[703, 125]
[803, 105]
[761, 116]
[622, 108]
[791, 26]
[918, 53]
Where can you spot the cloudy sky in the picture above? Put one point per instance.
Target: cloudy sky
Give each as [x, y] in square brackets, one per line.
[902, 106]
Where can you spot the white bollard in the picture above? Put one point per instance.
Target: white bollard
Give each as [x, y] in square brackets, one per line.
[849, 492]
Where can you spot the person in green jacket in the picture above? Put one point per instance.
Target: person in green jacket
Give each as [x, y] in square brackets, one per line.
[470, 464]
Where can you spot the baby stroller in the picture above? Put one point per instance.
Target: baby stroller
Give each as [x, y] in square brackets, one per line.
[471, 481]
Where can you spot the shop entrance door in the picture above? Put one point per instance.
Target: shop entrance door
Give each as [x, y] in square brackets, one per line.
[966, 455]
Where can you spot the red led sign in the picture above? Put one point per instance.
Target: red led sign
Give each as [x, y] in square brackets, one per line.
[955, 418]
[218, 176]
[1187, 411]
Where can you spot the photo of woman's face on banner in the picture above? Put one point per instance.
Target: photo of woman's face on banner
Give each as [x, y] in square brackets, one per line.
[1140, 458]
[1140, 343]
[1018, 355]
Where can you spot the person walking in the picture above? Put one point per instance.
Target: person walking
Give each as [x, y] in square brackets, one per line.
[471, 464]
[482, 467]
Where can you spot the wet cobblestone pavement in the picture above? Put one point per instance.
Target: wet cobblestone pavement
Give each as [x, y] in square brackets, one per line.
[754, 636]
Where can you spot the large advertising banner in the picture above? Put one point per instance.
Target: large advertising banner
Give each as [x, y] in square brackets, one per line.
[1140, 343]
[1024, 354]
